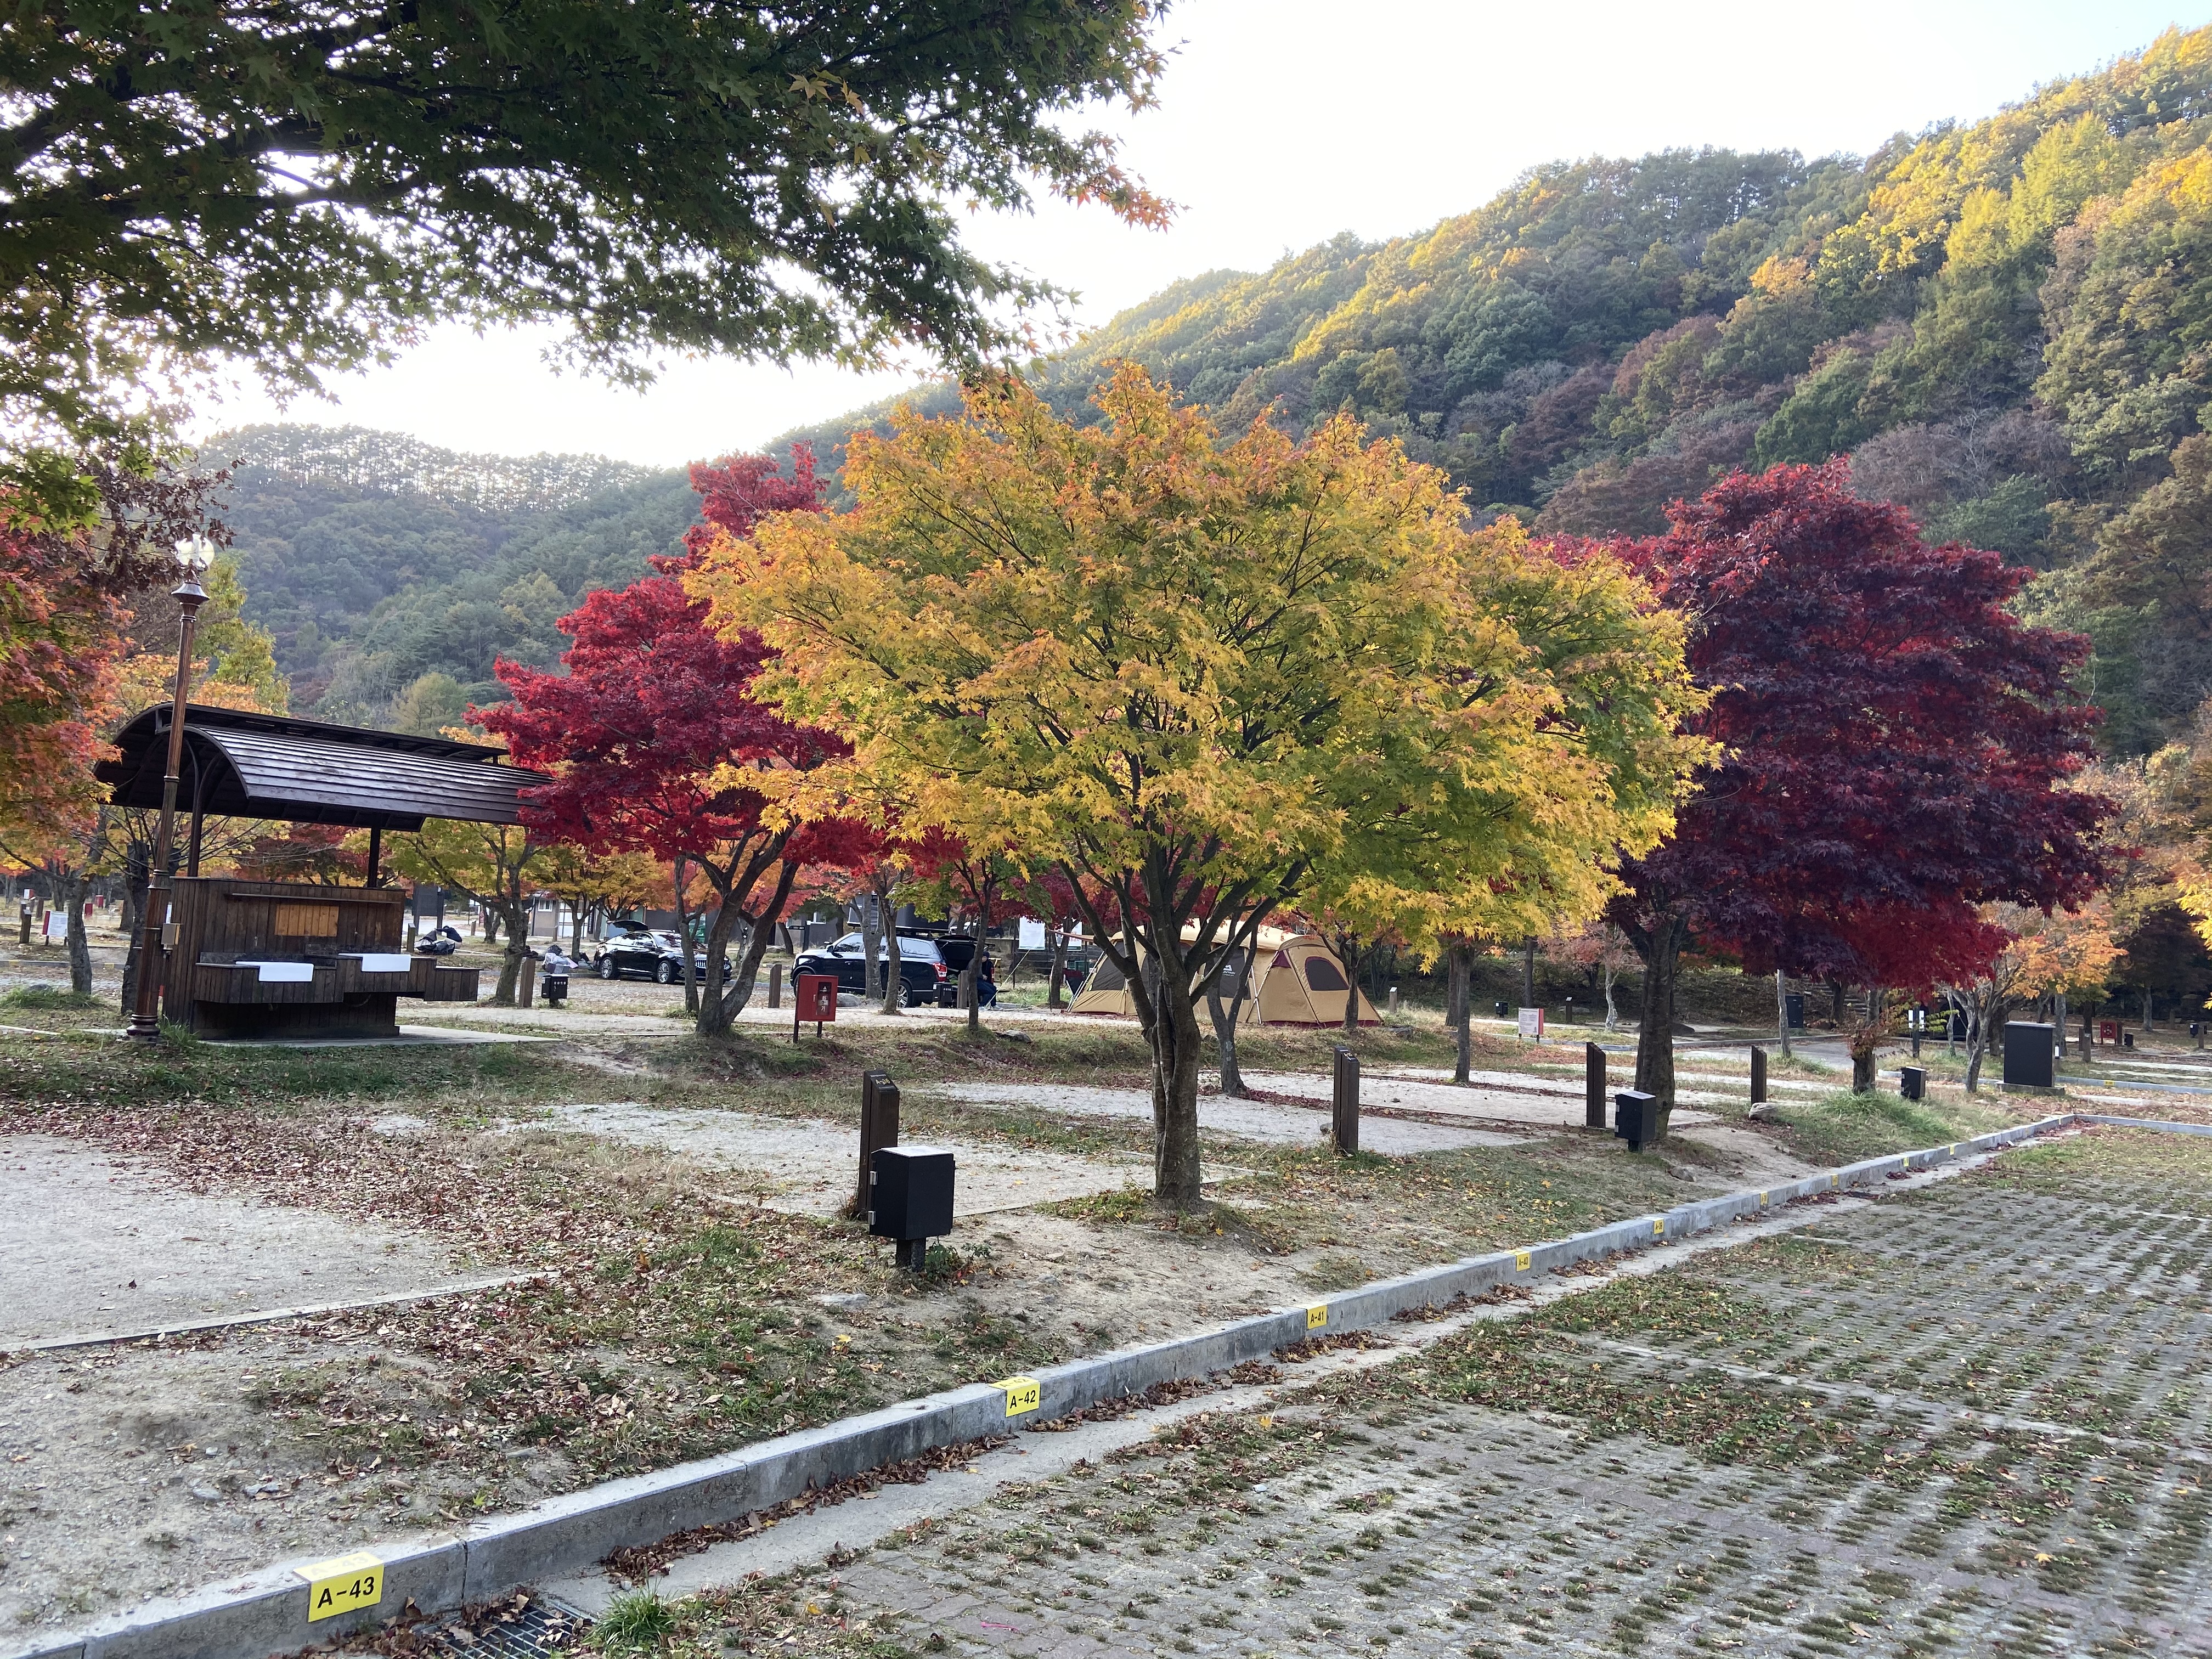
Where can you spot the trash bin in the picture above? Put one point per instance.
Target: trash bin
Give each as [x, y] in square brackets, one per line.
[911, 1199]
[1635, 1117]
[1913, 1081]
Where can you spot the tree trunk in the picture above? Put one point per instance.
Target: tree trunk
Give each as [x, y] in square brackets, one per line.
[711, 1018]
[575, 929]
[2058, 1024]
[80, 948]
[894, 982]
[759, 931]
[1351, 981]
[1224, 1027]
[1612, 1014]
[1055, 997]
[137, 861]
[1865, 1043]
[1782, 1011]
[1661, 950]
[1978, 1022]
[517, 950]
[1459, 1008]
[683, 939]
[970, 977]
[2149, 1009]
[871, 984]
[1175, 1096]
[490, 928]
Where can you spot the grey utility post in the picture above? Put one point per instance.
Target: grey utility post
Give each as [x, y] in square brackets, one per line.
[1593, 1086]
[879, 1127]
[1758, 1075]
[1343, 1102]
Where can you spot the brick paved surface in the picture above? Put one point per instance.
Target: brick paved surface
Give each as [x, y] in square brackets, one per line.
[1969, 1420]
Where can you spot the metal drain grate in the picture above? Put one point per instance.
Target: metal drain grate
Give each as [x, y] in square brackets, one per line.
[527, 1625]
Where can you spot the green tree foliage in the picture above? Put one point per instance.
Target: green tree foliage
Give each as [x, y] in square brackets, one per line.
[299, 186]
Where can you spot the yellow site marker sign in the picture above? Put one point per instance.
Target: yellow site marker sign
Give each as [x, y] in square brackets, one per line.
[1316, 1316]
[1022, 1394]
[342, 1585]
[1521, 1261]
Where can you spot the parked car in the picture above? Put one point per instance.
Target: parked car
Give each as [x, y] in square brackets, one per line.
[642, 955]
[928, 967]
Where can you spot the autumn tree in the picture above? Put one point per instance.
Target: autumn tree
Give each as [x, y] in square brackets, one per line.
[497, 865]
[1185, 672]
[1891, 741]
[2034, 955]
[656, 745]
[973, 883]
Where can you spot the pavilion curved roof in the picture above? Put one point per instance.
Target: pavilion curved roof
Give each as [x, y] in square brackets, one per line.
[240, 764]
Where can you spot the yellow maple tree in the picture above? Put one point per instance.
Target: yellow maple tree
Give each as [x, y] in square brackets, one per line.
[1200, 678]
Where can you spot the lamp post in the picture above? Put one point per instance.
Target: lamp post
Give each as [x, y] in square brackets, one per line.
[194, 555]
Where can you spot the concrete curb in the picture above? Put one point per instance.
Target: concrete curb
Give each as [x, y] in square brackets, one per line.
[265, 1613]
[239, 1321]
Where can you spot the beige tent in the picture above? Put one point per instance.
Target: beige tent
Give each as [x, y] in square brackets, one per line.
[1301, 983]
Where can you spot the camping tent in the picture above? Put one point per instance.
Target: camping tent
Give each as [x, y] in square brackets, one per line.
[1301, 982]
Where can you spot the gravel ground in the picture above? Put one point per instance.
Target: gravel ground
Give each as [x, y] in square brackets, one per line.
[94, 1243]
[1968, 1419]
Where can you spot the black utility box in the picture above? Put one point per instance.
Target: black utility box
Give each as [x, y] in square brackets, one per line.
[1793, 1006]
[913, 1192]
[1635, 1117]
[1913, 1081]
[2027, 1055]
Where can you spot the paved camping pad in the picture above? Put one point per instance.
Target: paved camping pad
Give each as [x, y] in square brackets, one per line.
[1969, 1419]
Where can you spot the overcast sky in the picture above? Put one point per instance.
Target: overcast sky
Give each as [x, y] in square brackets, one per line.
[1283, 122]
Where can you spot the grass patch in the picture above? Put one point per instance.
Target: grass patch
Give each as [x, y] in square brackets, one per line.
[49, 997]
[1842, 1128]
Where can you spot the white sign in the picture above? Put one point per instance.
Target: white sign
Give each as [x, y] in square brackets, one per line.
[1532, 1024]
[57, 926]
[1032, 934]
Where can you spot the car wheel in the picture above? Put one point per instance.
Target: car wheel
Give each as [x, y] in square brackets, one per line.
[606, 968]
[665, 974]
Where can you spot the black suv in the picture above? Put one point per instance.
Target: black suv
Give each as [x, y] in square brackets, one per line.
[657, 956]
[928, 967]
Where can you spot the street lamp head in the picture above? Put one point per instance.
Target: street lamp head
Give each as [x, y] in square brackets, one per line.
[196, 553]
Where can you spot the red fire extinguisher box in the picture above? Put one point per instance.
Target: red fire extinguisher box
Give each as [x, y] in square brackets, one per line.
[817, 997]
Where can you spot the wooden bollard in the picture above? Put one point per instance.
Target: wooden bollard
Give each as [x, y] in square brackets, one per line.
[1343, 1102]
[1758, 1075]
[879, 1127]
[776, 985]
[1593, 1086]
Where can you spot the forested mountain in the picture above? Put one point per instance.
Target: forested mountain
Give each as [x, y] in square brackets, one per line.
[392, 572]
[2007, 326]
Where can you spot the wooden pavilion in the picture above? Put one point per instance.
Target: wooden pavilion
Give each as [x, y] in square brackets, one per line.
[302, 959]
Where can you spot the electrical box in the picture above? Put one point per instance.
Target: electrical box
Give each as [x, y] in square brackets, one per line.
[2027, 1055]
[912, 1193]
[1913, 1082]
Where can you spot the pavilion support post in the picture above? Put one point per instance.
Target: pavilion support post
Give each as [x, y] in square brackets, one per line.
[375, 855]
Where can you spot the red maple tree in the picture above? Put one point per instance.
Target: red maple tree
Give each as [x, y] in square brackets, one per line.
[1892, 744]
[653, 706]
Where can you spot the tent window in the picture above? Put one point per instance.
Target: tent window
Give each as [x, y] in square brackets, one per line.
[1106, 977]
[1321, 974]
